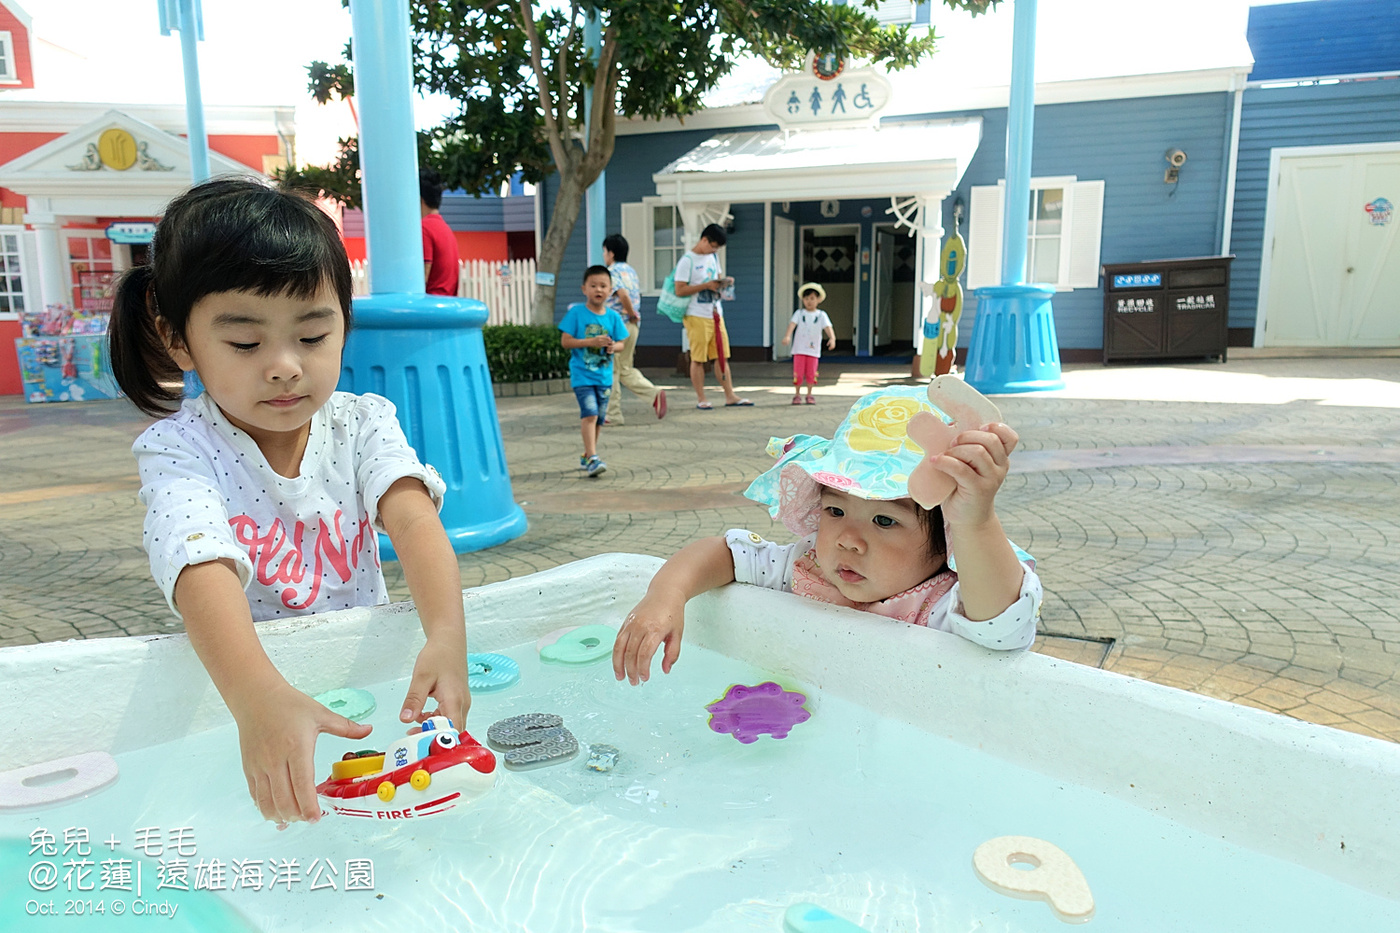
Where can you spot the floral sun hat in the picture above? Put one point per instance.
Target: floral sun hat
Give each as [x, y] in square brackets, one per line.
[871, 455]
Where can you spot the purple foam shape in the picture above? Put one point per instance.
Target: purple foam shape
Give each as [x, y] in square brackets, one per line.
[748, 712]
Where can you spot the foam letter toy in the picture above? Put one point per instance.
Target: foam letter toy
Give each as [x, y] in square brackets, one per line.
[963, 408]
[57, 781]
[1054, 879]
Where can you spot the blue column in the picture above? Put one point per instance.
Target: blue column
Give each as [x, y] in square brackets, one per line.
[187, 17]
[388, 145]
[596, 201]
[1013, 347]
[1020, 131]
[424, 353]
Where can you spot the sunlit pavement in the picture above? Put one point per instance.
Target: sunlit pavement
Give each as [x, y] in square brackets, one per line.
[1226, 529]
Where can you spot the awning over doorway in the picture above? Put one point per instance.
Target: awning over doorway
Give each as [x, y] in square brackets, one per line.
[924, 158]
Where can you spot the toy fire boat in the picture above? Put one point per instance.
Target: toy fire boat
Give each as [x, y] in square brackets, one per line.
[429, 772]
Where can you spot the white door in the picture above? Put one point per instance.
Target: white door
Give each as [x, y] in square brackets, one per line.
[1334, 266]
[784, 282]
[884, 287]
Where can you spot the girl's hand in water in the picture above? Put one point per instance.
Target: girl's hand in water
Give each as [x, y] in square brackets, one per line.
[977, 462]
[277, 733]
[440, 673]
[658, 619]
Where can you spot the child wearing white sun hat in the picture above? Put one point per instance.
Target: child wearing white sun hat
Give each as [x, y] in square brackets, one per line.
[908, 480]
[809, 323]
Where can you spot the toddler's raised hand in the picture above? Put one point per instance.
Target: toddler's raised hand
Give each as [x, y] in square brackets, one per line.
[658, 619]
[277, 737]
[977, 462]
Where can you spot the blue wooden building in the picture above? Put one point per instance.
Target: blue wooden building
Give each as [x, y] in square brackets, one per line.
[1317, 175]
[855, 188]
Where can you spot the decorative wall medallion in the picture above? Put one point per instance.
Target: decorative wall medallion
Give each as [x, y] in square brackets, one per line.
[117, 149]
[827, 66]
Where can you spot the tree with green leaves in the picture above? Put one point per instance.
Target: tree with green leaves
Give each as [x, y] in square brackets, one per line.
[521, 71]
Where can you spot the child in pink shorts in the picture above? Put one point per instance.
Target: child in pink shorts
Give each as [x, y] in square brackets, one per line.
[805, 331]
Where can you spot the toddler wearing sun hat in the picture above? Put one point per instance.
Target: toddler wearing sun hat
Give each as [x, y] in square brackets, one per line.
[865, 543]
[805, 330]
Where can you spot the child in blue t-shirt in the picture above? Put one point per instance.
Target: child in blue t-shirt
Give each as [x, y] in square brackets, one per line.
[592, 332]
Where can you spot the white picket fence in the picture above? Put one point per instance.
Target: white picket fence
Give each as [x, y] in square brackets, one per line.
[506, 288]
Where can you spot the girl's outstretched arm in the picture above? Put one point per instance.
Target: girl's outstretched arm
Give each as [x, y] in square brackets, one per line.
[989, 575]
[660, 617]
[411, 520]
[277, 724]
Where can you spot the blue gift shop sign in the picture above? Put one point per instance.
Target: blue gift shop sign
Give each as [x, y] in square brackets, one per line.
[131, 232]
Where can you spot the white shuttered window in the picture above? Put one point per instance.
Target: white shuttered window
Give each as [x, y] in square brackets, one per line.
[656, 241]
[1066, 226]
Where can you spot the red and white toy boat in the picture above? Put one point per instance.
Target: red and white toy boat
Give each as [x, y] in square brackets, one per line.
[429, 772]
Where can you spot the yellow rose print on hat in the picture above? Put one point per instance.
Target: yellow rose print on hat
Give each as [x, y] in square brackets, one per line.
[882, 426]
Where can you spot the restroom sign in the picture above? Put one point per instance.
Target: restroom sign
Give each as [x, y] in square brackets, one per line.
[829, 97]
[1380, 211]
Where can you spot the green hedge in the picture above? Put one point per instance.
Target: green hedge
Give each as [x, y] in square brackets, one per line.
[524, 352]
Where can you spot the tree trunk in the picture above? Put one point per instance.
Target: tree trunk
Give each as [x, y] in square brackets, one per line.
[567, 205]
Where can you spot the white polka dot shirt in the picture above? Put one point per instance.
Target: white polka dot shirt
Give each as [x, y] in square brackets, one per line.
[302, 544]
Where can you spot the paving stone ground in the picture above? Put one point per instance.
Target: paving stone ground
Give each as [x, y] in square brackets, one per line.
[1226, 529]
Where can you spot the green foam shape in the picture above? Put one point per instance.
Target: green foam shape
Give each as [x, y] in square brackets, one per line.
[581, 645]
[350, 702]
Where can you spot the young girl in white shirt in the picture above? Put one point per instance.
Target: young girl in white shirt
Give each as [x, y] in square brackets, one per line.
[272, 482]
[864, 542]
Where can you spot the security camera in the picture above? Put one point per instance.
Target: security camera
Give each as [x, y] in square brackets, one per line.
[1176, 157]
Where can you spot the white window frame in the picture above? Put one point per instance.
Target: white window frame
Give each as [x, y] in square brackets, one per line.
[81, 233]
[895, 12]
[10, 73]
[18, 232]
[1081, 232]
[638, 230]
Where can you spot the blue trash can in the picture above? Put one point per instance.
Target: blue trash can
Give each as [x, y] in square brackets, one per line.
[1014, 348]
[425, 354]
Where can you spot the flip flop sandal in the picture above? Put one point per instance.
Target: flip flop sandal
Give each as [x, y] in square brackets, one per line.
[797, 400]
[705, 406]
[742, 403]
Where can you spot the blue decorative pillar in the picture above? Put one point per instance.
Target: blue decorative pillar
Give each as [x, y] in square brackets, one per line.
[596, 201]
[186, 17]
[423, 352]
[1014, 348]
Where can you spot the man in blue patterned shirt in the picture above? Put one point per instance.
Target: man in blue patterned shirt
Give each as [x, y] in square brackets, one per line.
[626, 300]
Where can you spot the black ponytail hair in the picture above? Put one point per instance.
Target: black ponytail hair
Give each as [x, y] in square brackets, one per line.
[226, 235]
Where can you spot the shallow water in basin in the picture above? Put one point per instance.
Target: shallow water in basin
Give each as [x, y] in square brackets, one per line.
[870, 818]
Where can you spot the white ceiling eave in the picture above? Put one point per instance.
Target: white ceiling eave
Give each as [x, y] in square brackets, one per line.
[810, 184]
[892, 160]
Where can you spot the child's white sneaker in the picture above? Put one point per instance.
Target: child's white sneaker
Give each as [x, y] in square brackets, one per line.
[595, 466]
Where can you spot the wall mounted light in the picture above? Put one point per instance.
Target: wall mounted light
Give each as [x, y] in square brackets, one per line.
[1176, 158]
